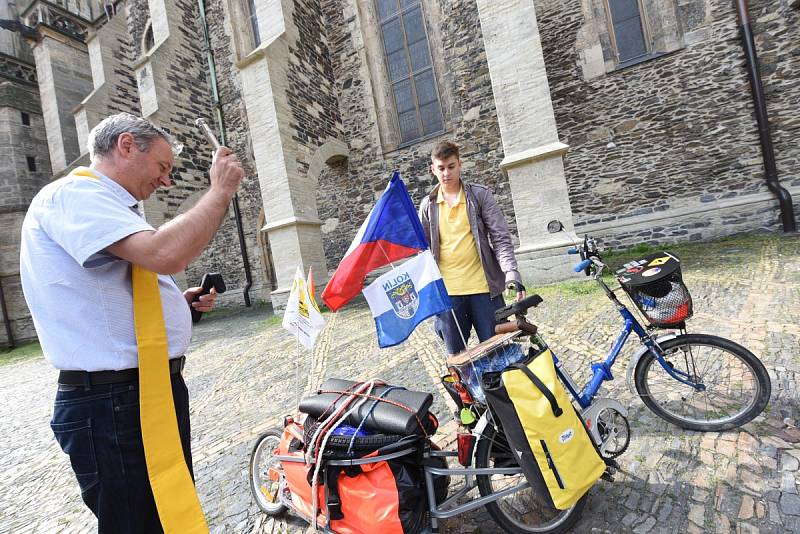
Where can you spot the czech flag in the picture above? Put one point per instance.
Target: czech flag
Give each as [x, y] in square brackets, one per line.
[406, 296]
[391, 232]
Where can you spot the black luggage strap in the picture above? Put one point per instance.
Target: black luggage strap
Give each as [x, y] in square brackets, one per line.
[557, 411]
[334, 503]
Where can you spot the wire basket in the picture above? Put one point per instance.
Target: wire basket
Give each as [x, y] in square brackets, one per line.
[655, 285]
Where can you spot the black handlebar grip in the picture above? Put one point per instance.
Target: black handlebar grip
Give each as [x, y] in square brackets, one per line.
[528, 302]
[517, 308]
[209, 280]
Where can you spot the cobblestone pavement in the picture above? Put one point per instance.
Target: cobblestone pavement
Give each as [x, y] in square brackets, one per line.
[244, 375]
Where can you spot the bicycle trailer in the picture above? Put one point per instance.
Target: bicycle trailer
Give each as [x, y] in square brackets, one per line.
[548, 437]
[365, 484]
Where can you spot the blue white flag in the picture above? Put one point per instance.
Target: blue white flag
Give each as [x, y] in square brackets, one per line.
[406, 296]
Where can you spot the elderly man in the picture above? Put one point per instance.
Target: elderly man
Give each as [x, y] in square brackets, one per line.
[80, 238]
[471, 242]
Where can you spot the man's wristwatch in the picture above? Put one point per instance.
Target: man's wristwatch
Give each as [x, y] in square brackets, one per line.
[516, 286]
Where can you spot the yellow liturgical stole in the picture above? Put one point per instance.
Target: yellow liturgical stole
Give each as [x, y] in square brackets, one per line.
[173, 489]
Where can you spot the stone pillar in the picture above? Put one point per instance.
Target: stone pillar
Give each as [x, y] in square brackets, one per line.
[102, 47]
[288, 193]
[533, 152]
[64, 74]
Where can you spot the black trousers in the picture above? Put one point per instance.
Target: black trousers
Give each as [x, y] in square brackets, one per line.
[99, 428]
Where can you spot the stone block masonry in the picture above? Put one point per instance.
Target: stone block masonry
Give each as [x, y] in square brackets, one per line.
[347, 191]
[183, 93]
[678, 130]
[22, 146]
[238, 138]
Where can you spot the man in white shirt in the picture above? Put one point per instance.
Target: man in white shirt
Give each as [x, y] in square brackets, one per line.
[79, 238]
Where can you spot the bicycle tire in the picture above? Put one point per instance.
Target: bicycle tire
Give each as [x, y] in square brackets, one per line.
[708, 351]
[361, 443]
[493, 448]
[258, 488]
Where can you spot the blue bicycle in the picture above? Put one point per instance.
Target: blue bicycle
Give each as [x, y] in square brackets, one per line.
[695, 381]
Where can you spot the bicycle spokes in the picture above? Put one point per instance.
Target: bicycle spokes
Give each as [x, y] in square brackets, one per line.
[718, 385]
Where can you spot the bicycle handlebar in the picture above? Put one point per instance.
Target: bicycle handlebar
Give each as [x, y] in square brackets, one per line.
[582, 266]
[517, 308]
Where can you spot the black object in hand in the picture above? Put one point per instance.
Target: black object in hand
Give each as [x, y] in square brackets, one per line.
[209, 280]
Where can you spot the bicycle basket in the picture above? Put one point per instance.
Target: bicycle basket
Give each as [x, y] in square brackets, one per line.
[655, 285]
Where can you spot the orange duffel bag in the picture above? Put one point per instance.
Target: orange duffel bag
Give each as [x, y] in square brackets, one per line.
[386, 496]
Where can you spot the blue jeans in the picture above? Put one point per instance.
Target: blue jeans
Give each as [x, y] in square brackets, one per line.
[99, 428]
[472, 311]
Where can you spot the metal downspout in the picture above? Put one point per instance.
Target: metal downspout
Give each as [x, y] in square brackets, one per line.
[767, 151]
[6, 320]
[220, 119]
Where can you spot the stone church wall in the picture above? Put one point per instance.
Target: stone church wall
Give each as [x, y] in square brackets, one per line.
[18, 185]
[184, 96]
[677, 130]
[347, 191]
[237, 136]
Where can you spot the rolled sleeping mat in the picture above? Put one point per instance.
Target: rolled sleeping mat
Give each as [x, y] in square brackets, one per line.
[400, 412]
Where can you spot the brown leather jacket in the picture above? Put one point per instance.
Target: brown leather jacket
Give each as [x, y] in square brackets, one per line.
[489, 229]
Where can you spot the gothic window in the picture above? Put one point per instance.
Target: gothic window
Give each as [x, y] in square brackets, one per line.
[253, 21]
[410, 69]
[31, 163]
[627, 30]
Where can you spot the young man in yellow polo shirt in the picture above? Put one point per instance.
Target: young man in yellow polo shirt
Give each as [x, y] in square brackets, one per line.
[471, 242]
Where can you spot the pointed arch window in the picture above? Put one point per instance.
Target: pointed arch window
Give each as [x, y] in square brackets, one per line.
[410, 69]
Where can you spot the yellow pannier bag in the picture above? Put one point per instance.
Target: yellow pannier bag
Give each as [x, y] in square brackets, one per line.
[548, 437]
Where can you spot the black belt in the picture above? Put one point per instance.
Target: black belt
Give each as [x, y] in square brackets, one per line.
[97, 378]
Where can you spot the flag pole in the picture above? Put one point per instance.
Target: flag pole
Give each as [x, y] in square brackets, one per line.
[458, 326]
[296, 367]
[385, 254]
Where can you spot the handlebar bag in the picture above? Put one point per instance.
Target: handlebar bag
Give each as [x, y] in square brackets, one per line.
[548, 437]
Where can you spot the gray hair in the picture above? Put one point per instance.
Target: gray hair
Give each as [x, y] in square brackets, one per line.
[103, 137]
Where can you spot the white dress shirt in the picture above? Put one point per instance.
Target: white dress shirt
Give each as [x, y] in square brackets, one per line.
[79, 294]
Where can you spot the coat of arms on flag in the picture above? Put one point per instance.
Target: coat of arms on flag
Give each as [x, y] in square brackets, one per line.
[403, 295]
[406, 296]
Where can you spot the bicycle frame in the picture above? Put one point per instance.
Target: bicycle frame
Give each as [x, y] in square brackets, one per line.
[602, 371]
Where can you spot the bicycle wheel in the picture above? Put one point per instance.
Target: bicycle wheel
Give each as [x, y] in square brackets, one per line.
[735, 384]
[263, 484]
[520, 512]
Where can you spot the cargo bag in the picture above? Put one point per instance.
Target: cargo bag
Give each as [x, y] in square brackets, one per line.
[385, 496]
[549, 439]
[384, 492]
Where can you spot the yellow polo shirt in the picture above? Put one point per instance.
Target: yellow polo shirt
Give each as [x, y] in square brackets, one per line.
[459, 262]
